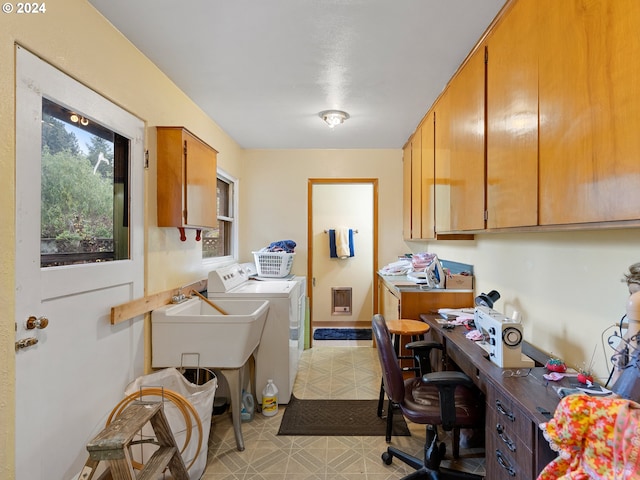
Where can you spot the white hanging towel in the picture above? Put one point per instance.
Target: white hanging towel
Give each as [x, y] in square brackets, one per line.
[333, 244]
[342, 242]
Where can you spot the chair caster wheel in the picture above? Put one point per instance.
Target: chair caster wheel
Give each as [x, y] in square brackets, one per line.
[387, 458]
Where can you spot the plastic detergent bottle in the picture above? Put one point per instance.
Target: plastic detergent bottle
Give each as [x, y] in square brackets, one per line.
[248, 407]
[270, 399]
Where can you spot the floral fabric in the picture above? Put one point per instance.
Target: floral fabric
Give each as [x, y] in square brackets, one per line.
[595, 437]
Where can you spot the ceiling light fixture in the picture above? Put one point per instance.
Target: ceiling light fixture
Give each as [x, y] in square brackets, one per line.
[333, 117]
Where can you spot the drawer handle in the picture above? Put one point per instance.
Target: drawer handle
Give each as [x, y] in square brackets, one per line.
[507, 441]
[504, 411]
[505, 464]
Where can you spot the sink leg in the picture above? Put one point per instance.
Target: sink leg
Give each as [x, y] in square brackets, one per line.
[234, 380]
[252, 378]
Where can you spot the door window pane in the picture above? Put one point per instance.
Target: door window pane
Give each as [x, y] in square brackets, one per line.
[84, 189]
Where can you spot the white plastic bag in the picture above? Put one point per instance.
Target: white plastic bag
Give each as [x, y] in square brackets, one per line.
[200, 397]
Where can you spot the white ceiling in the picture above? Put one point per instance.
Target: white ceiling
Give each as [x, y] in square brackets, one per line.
[263, 69]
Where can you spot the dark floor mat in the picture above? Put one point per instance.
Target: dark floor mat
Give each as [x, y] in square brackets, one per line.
[342, 334]
[338, 418]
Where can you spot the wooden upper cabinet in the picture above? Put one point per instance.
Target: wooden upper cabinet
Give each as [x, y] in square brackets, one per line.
[416, 185]
[512, 118]
[428, 177]
[442, 159]
[589, 111]
[466, 136]
[187, 180]
[406, 191]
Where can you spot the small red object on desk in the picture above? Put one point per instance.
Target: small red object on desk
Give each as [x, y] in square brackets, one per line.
[585, 378]
[555, 365]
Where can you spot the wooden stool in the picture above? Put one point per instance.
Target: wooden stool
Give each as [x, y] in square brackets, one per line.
[399, 328]
[404, 327]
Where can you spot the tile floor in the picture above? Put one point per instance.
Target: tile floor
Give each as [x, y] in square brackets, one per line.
[326, 371]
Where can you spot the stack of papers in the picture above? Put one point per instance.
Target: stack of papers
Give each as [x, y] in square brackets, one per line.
[458, 315]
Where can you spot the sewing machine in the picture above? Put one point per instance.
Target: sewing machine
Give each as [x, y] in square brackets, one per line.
[503, 338]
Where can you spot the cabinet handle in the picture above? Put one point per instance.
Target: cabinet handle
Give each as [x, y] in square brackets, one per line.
[507, 441]
[504, 411]
[505, 464]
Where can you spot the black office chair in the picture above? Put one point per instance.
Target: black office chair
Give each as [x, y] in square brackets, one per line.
[445, 399]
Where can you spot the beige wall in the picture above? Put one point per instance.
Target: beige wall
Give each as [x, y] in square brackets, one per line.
[274, 195]
[567, 286]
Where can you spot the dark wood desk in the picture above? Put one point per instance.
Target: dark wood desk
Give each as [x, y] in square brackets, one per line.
[515, 445]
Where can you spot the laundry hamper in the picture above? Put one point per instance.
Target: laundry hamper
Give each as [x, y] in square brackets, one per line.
[273, 264]
[169, 381]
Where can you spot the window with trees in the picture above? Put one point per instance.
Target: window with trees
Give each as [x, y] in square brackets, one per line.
[84, 185]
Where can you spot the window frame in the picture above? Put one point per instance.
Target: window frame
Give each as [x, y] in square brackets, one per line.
[216, 262]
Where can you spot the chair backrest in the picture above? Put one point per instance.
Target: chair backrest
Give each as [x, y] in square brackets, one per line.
[391, 371]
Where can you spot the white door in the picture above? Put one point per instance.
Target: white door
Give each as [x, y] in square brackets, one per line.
[68, 382]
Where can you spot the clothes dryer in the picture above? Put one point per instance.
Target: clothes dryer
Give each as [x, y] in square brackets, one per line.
[278, 353]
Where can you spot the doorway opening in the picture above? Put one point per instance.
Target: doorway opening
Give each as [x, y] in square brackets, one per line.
[351, 204]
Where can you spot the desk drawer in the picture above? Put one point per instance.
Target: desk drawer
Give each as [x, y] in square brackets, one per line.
[514, 421]
[507, 456]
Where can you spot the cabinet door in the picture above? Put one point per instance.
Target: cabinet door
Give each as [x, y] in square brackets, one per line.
[466, 123]
[442, 159]
[589, 111]
[200, 183]
[187, 180]
[390, 304]
[428, 178]
[512, 118]
[416, 185]
[406, 191]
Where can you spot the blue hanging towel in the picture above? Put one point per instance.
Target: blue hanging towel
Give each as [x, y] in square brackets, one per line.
[334, 246]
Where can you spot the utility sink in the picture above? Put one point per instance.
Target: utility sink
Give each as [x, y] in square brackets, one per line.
[193, 333]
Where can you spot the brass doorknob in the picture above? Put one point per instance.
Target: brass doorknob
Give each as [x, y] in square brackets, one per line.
[26, 342]
[37, 322]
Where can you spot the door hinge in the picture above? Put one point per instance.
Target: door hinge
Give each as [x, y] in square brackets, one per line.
[486, 215]
[146, 159]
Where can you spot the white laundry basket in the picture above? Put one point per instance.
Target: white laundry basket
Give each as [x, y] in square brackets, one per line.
[273, 264]
[201, 399]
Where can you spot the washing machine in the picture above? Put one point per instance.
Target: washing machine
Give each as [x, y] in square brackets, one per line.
[278, 353]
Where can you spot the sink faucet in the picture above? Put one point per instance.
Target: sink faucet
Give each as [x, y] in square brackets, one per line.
[180, 297]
